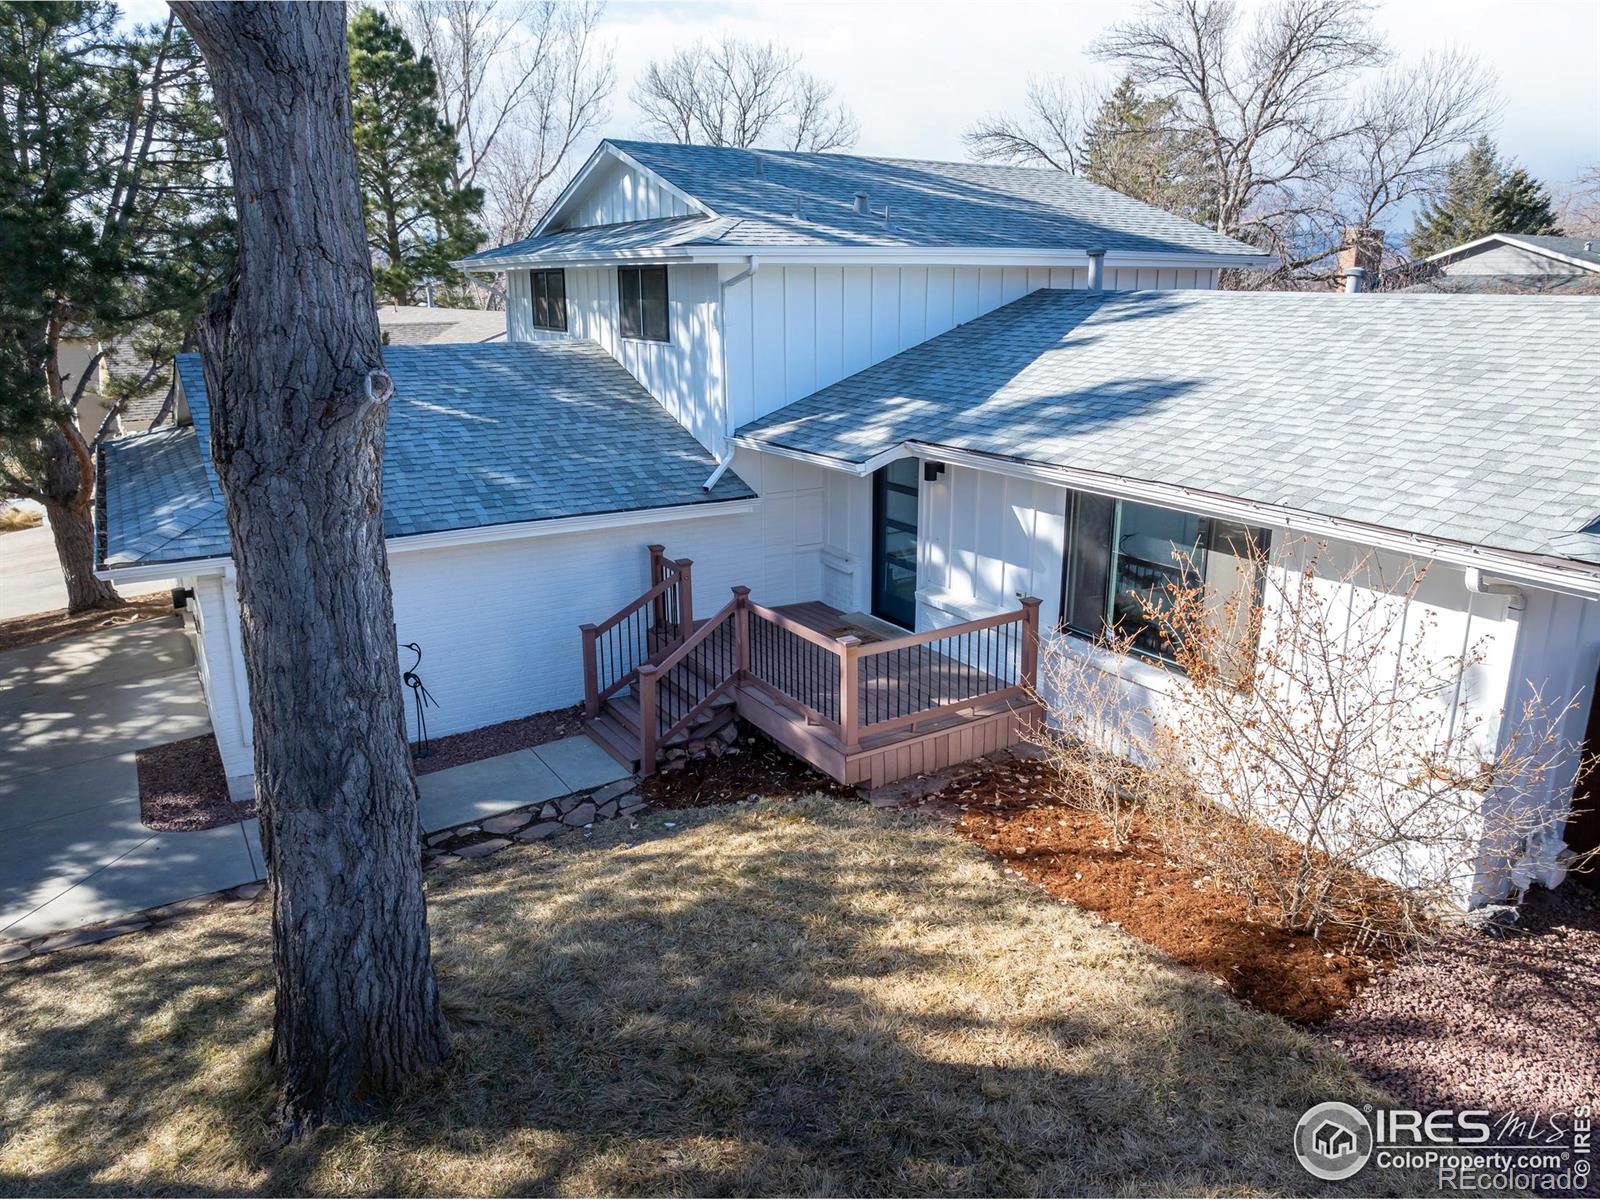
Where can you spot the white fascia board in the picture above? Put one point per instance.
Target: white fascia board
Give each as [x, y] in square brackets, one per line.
[513, 531]
[1510, 239]
[824, 461]
[1020, 256]
[604, 151]
[150, 572]
[520, 530]
[870, 256]
[1553, 574]
[611, 258]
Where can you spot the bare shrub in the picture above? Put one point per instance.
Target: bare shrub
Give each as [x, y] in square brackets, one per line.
[1099, 739]
[1315, 741]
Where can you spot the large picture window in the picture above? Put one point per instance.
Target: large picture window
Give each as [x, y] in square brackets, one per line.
[549, 300]
[1123, 556]
[643, 295]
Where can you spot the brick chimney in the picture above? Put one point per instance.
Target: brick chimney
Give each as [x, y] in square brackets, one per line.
[1363, 250]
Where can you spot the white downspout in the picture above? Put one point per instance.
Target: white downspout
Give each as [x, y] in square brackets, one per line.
[1480, 583]
[726, 460]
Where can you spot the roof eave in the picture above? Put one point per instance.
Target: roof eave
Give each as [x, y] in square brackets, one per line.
[1550, 571]
[987, 256]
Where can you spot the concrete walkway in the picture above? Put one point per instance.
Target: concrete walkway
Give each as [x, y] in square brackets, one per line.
[72, 848]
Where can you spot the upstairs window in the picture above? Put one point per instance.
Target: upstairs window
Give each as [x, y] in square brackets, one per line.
[1123, 557]
[549, 299]
[643, 294]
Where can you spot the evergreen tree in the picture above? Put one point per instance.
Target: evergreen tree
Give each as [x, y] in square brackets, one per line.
[1481, 195]
[114, 225]
[416, 223]
[1132, 147]
[1521, 204]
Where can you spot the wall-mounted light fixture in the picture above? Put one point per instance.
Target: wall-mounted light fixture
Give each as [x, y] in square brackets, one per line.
[931, 471]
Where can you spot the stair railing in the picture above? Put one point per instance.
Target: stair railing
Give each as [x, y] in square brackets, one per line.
[641, 630]
[678, 688]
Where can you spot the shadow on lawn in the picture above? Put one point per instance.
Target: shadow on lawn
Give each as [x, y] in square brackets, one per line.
[796, 1000]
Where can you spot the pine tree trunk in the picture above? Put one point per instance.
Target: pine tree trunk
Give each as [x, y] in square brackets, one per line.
[73, 531]
[297, 437]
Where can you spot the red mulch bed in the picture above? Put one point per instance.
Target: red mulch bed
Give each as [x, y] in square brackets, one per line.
[182, 787]
[475, 744]
[1010, 812]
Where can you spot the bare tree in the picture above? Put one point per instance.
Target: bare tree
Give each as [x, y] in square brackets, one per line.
[1578, 205]
[1049, 132]
[522, 84]
[740, 93]
[298, 411]
[1300, 143]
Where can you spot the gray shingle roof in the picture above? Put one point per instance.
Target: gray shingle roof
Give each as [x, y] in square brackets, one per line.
[1585, 249]
[1468, 418]
[776, 198]
[158, 503]
[481, 434]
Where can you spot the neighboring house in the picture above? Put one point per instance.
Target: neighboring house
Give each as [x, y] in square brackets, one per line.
[1513, 263]
[414, 325]
[888, 396]
[96, 404]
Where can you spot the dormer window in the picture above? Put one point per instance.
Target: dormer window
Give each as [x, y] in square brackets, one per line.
[642, 294]
[549, 299]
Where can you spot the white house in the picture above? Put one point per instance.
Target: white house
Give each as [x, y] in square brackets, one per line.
[965, 402]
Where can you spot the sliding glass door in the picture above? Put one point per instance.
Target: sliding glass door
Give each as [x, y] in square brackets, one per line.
[894, 542]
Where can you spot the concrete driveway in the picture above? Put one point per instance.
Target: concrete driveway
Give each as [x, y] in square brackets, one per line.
[72, 713]
[30, 575]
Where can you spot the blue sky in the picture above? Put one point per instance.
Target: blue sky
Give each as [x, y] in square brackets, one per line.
[918, 73]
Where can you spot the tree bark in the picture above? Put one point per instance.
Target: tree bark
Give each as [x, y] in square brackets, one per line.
[73, 531]
[293, 368]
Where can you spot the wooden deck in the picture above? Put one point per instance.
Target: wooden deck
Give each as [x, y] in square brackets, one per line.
[860, 700]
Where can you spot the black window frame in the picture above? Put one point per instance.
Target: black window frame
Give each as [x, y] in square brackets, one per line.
[1077, 502]
[642, 316]
[540, 297]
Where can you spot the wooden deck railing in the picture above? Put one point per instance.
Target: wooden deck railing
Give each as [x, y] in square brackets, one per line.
[683, 685]
[641, 630]
[850, 688]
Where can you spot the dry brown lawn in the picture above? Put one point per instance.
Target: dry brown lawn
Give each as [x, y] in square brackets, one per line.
[808, 998]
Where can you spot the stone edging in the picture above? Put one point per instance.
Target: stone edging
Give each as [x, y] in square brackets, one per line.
[532, 823]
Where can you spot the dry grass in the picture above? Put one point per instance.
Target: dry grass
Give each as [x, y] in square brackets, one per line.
[809, 998]
[13, 518]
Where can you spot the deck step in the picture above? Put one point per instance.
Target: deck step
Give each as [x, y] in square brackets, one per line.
[615, 740]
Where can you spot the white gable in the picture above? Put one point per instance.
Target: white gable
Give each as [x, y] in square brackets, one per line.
[611, 191]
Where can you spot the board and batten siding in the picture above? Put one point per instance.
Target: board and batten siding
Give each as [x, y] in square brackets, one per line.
[683, 373]
[791, 330]
[617, 194]
[787, 330]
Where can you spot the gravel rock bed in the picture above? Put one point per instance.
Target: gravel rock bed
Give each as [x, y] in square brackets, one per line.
[1507, 1022]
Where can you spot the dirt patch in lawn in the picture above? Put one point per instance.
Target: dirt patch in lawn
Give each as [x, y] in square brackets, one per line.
[182, 787]
[1010, 813]
[807, 998]
[520, 734]
[39, 628]
[754, 766]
